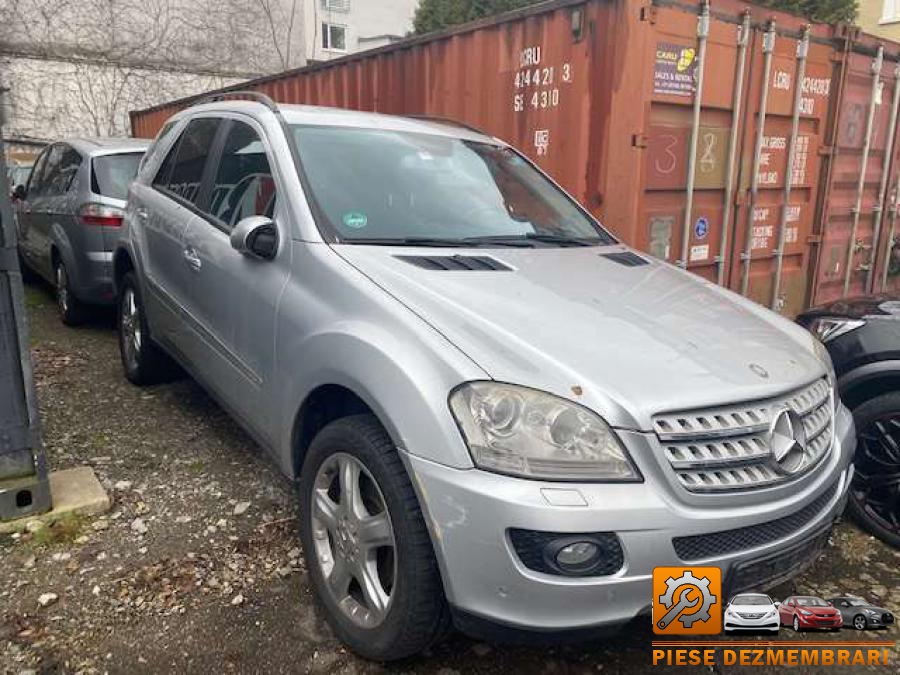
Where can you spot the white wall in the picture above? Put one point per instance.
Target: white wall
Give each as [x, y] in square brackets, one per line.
[366, 19]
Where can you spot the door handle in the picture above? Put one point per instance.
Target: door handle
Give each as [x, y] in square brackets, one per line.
[141, 214]
[192, 259]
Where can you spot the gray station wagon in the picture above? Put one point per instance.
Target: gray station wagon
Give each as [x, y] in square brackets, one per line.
[494, 412]
[68, 215]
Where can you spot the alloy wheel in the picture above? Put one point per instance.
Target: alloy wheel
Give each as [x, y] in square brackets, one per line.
[876, 483]
[130, 325]
[796, 624]
[353, 539]
[62, 288]
[859, 623]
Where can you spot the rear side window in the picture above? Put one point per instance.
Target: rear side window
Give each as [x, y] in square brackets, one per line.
[62, 176]
[243, 185]
[182, 170]
[112, 174]
[34, 178]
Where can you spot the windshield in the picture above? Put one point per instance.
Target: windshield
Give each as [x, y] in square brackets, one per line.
[112, 174]
[811, 602]
[391, 187]
[857, 603]
[752, 600]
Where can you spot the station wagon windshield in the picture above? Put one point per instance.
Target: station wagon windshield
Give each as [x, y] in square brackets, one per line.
[394, 188]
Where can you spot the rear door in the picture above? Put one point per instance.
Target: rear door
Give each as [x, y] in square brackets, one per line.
[163, 213]
[233, 300]
[58, 226]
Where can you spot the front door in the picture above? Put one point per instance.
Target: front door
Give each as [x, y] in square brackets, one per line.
[234, 297]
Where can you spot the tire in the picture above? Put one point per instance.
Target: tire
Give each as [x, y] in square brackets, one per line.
[835, 630]
[142, 360]
[869, 503]
[71, 310]
[860, 622]
[416, 614]
[796, 624]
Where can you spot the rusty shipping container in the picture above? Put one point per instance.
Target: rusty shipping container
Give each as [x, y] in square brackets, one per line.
[744, 144]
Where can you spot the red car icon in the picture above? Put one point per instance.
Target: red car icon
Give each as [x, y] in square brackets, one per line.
[804, 612]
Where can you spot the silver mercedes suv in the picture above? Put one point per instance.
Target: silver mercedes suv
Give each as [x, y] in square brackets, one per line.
[495, 413]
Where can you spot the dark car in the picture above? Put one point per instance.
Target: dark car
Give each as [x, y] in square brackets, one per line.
[804, 612]
[860, 614]
[863, 337]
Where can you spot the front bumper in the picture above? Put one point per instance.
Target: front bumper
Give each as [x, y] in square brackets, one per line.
[812, 622]
[733, 621]
[470, 513]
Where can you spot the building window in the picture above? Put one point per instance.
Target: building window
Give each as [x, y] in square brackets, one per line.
[890, 11]
[334, 37]
[336, 5]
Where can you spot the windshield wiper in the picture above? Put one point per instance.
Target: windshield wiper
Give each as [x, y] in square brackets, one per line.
[544, 238]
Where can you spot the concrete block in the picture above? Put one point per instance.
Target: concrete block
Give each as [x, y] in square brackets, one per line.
[75, 492]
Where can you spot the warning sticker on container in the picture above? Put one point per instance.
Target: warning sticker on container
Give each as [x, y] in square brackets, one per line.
[674, 69]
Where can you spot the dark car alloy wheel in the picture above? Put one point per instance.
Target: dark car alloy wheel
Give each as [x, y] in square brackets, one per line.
[859, 622]
[876, 484]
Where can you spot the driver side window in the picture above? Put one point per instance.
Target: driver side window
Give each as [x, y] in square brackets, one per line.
[243, 185]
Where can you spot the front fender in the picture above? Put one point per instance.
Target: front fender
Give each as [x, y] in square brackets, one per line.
[404, 384]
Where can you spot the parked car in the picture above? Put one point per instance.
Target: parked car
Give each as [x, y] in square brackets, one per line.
[488, 403]
[863, 338]
[68, 214]
[751, 611]
[803, 612]
[860, 614]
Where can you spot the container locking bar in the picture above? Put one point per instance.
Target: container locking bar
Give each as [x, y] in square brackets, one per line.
[746, 256]
[802, 52]
[702, 38]
[861, 183]
[882, 187]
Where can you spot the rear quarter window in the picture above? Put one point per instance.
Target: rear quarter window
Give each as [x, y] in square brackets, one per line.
[112, 174]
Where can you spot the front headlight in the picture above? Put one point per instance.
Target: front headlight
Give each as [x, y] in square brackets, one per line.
[524, 432]
[828, 328]
[771, 613]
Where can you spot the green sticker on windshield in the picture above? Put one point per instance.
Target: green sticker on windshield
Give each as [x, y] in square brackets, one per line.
[356, 220]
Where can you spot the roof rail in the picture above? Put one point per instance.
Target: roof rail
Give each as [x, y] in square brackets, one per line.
[255, 95]
[447, 120]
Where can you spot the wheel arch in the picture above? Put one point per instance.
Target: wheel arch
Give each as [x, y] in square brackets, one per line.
[122, 264]
[869, 381]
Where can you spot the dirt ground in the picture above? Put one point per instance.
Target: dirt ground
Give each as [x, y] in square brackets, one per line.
[197, 568]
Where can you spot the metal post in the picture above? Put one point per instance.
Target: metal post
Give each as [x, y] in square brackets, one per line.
[882, 188]
[889, 244]
[24, 484]
[861, 183]
[802, 51]
[768, 48]
[743, 40]
[702, 36]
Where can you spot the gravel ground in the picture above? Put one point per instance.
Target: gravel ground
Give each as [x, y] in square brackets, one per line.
[197, 567]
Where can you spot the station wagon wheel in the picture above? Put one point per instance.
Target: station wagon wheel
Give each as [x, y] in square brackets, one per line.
[131, 328]
[370, 558]
[354, 539]
[875, 493]
[70, 309]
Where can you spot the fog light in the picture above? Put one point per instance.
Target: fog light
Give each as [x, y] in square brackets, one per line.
[576, 555]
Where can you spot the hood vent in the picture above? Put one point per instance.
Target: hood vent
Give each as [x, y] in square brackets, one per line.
[626, 258]
[459, 263]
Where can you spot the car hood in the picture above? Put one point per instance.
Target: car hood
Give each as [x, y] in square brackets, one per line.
[626, 340]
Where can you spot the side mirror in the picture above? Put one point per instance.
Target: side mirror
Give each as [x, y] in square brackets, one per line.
[255, 236]
[777, 604]
[19, 193]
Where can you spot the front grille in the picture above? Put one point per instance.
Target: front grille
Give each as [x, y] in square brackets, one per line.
[749, 616]
[767, 572]
[700, 546]
[727, 448]
[826, 622]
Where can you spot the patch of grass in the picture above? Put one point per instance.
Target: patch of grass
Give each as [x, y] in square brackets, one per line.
[35, 298]
[63, 531]
[194, 465]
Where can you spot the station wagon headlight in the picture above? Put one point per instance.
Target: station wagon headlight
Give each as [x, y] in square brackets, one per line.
[524, 432]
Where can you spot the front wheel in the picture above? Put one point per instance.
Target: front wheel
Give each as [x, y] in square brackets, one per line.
[876, 482]
[796, 625]
[367, 548]
[859, 622]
